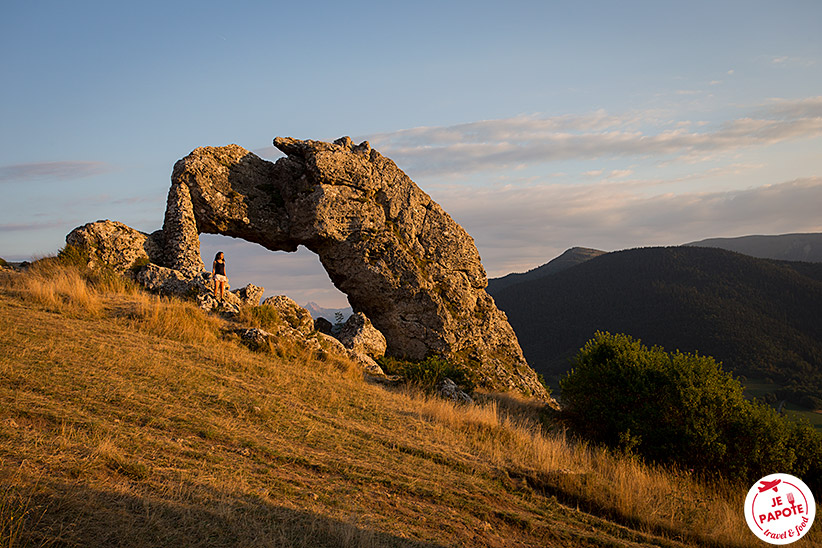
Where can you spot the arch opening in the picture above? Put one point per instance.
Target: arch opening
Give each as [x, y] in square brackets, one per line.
[298, 275]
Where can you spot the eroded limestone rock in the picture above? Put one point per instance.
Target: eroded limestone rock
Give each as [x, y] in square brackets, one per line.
[323, 326]
[384, 242]
[249, 295]
[449, 390]
[360, 335]
[180, 233]
[200, 286]
[115, 245]
[290, 312]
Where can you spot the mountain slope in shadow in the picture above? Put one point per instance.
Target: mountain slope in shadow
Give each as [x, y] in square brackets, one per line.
[759, 317]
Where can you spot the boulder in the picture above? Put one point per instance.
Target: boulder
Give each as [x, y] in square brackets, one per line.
[332, 343]
[400, 259]
[366, 362]
[290, 312]
[254, 337]
[323, 326]
[115, 245]
[449, 390]
[314, 341]
[249, 295]
[359, 335]
[168, 281]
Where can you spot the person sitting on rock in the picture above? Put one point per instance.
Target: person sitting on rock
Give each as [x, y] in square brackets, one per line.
[220, 279]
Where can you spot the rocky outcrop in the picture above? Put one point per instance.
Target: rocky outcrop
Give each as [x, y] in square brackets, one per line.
[113, 245]
[249, 295]
[400, 259]
[180, 233]
[323, 326]
[200, 286]
[117, 246]
[168, 281]
[299, 320]
[289, 311]
[295, 324]
[360, 335]
[449, 390]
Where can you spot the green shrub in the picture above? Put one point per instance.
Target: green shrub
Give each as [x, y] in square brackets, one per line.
[73, 256]
[681, 408]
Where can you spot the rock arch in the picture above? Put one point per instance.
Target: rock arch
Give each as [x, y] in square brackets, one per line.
[384, 242]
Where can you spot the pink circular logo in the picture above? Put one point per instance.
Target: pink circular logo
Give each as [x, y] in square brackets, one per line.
[780, 509]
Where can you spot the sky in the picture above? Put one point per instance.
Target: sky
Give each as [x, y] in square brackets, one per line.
[538, 126]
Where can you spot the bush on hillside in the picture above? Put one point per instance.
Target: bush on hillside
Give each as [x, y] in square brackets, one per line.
[683, 409]
[73, 256]
[425, 373]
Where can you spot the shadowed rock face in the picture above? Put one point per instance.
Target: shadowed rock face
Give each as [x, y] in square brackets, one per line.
[383, 241]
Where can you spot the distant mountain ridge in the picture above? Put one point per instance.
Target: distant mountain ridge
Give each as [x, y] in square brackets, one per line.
[784, 247]
[571, 257]
[759, 317]
[329, 314]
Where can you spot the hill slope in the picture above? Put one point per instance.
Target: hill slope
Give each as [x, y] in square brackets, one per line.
[130, 421]
[782, 247]
[758, 317]
[571, 257]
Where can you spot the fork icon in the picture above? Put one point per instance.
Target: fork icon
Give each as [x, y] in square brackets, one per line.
[790, 498]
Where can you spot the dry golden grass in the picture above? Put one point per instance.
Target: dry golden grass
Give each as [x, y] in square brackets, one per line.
[62, 290]
[171, 319]
[130, 420]
[652, 498]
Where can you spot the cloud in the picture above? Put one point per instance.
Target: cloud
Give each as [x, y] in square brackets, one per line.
[518, 228]
[52, 170]
[30, 227]
[613, 174]
[799, 109]
[531, 140]
[784, 60]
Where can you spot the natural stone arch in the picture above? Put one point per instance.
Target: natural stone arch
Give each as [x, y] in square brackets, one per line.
[384, 242]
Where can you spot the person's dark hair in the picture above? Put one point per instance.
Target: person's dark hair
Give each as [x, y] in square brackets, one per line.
[217, 256]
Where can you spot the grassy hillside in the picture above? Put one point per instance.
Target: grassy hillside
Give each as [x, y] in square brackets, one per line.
[129, 420]
[760, 318]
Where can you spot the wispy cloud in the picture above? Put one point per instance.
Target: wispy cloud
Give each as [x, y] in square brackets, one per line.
[785, 60]
[34, 226]
[518, 228]
[797, 109]
[530, 140]
[52, 170]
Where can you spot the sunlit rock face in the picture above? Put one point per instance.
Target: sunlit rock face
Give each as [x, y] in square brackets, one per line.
[402, 260]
